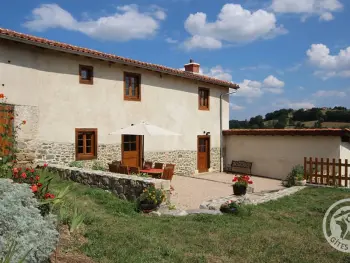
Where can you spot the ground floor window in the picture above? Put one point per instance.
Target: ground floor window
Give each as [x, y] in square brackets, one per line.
[85, 144]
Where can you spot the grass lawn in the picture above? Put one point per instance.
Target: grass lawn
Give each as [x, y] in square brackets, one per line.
[286, 230]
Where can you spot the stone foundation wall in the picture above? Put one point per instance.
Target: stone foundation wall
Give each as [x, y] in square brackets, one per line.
[126, 187]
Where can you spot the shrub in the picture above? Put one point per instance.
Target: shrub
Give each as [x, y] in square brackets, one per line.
[21, 222]
[77, 164]
[297, 172]
[98, 166]
[152, 195]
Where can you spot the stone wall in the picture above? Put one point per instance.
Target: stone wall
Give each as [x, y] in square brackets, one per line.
[126, 187]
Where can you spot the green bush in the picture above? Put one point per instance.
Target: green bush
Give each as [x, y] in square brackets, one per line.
[98, 166]
[297, 172]
[77, 164]
[22, 223]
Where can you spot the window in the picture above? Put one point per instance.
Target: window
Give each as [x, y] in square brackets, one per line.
[132, 89]
[203, 99]
[86, 74]
[85, 144]
[129, 143]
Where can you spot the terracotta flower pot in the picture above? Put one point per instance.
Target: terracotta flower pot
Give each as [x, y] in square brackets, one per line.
[239, 189]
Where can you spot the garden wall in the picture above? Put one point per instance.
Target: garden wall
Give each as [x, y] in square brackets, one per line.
[127, 187]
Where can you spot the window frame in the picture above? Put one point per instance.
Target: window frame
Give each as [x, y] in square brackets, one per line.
[138, 90]
[85, 156]
[201, 107]
[89, 69]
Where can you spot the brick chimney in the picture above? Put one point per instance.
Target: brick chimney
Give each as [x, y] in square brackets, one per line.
[192, 67]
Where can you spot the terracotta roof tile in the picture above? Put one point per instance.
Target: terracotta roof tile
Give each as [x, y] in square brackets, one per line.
[289, 132]
[16, 36]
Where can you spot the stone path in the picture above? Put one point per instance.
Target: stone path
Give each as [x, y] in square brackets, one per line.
[212, 207]
[252, 198]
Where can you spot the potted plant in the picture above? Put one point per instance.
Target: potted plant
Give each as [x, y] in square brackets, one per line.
[151, 198]
[299, 179]
[229, 207]
[240, 184]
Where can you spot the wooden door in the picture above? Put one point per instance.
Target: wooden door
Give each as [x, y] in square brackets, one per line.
[131, 150]
[203, 153]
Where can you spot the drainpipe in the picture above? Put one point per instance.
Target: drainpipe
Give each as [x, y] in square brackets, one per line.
[221, 136]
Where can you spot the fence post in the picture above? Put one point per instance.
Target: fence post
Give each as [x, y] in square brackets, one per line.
[333, 171]
[322, 176]
[339, 171]
[327, 171]
[310, 169]
[316, 171]
[305, 168]
[346, 173]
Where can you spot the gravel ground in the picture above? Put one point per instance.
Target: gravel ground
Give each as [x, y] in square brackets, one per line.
[190, 192]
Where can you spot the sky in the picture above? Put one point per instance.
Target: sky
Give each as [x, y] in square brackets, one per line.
[282, 53]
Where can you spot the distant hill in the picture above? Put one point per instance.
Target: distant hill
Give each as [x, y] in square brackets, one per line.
[337, 117]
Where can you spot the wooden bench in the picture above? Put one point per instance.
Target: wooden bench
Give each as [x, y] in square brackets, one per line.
[239, 164]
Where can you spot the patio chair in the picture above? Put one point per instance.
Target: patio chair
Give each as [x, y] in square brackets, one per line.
[134, 170]
[113, 167]
[148, 165]
[158, 166]
[123, 169]
[167, 174]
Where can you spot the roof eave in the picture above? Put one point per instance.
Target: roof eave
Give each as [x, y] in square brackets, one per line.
[43, 45]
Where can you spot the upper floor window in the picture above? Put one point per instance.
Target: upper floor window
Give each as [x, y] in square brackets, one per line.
[86, 74]
[132, 89]
[85, 144]
[203, 98]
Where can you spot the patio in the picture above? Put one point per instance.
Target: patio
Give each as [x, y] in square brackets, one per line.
[191, 191]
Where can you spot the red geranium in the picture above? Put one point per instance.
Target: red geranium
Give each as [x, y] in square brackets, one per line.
[45, 165]
[49, 196]
[24, 175]
[39, 185]
[34, 188]
[37, 178]
[242, 180]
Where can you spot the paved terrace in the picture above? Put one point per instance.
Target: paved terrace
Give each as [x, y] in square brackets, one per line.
[190, 192]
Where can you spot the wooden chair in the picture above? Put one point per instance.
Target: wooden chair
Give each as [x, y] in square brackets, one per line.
[158, 166]
[172, 166]
[147, 165]
[123, 169]
[167, 174]
[113, 168]
[134, 170]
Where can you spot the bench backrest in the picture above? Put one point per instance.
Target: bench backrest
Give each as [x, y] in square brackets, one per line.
[242, 164]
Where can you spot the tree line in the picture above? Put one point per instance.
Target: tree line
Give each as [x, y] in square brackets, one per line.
[279, 119]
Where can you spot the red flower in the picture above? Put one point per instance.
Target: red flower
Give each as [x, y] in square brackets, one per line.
[19, 169]
[39, 185]
[31, 179]
[2, 95]
[48, 195]
[15, 170]
[37, 178]
[250, 182]
[235, 179]
[34, 188]
[27, 169]
[24, 122]
[45, 165]
[32, 170]
[23, 175]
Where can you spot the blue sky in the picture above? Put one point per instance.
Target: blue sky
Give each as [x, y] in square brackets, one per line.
[283, 53]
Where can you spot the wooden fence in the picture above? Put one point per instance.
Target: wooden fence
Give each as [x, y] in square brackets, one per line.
[334, 172]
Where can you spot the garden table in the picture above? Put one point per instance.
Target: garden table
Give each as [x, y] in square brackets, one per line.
[156, 172]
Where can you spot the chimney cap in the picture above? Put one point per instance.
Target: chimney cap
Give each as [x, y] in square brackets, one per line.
[191, 60]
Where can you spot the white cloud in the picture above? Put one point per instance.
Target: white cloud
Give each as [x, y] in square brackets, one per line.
[329, 65]
[301, 88]
[202, 42]
[171, 40]
[126, 24]
[274, 85]
[236, 107]
[257, 67]
[294, 105]
[252, 88]
[294, 68]
[218, 72]
[234, 24]
[329, 93]
[306, 8]
[249, 88]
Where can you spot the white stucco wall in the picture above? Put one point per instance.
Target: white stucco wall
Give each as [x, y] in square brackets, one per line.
[50, 80]
[275, 156]
[345, 151]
